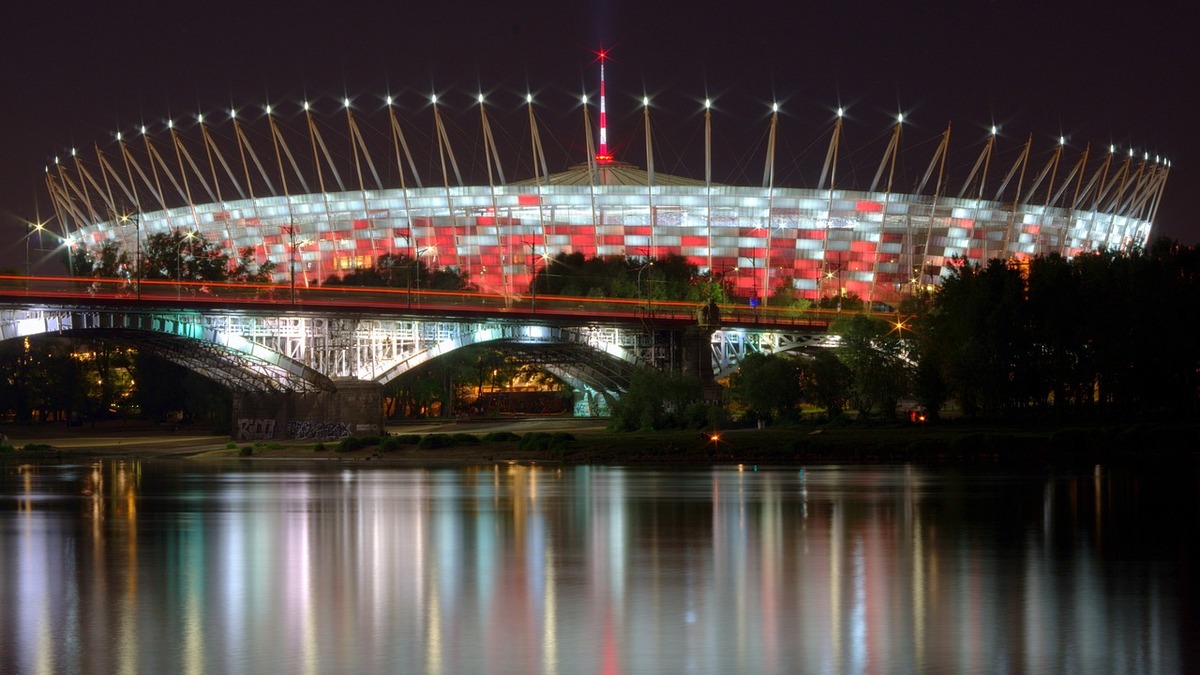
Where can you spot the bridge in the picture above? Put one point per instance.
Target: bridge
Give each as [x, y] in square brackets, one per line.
[299, 357]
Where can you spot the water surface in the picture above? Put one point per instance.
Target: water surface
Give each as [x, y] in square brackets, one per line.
[328, 567]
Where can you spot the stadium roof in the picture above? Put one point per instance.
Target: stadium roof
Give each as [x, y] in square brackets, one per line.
[611, 173]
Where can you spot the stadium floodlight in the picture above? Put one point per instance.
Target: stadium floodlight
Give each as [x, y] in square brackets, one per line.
[267, 108]
[388, 100]
[994, 130]
[199, 118]
[170, 123]
[118, 137]
[72, 152]
[646, 101]
[433, 99]
[480, 98]
[584, 98]
[707, 104]
[144, 131]
[232, 114]
[346, 102]
[900, 118]
[1062, 140]
[840, 111]
[1111, 148]
[305, 106]
[774, 107]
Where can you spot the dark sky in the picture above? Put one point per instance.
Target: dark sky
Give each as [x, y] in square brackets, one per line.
[72, 73]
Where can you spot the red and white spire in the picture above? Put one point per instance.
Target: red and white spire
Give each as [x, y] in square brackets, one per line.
[603, 155]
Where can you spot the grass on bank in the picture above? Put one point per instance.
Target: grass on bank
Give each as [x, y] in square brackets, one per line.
[805, 442]
[946, 443]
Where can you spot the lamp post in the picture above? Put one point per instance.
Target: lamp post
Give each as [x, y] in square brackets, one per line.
[179, 263]
[532, 277]
[137, 257]
[291, 230]
[639, 283]
[36, 228]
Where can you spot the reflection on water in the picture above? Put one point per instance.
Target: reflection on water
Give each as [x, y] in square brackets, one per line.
[155, 567]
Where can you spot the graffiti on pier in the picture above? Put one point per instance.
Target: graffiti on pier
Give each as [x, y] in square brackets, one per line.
[318, 430]
[255, 430]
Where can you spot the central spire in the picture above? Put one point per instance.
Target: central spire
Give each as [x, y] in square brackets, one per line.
[603, 156]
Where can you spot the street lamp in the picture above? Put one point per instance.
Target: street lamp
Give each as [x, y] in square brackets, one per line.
[37, 228]
[137, 258]
[532, 277]
[179, 263]
[639, 283]
[291, 230]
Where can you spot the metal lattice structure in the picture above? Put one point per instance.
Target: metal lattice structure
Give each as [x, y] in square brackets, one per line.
[294, 351]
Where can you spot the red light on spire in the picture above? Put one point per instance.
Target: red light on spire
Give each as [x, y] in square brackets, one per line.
[602, 156]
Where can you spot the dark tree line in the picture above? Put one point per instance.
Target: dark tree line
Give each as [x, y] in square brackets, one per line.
[1104, 333]
[668, 278]
[1109, 332]
[169, 256]
[393, 270]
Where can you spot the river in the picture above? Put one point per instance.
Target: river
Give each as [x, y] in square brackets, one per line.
[161, 566]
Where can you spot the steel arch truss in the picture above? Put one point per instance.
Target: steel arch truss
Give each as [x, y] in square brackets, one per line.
[589, 358]
[295, 351]
[731, 346]
[196, 341]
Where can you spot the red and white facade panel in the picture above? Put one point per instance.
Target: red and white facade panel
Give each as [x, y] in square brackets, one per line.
[817, 241]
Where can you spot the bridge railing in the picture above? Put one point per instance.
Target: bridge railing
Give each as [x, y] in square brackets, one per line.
[391, 300]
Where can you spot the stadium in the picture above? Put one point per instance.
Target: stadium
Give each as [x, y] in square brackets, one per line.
[326, 195]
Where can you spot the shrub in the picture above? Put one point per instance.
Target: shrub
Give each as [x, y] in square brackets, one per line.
[501, 437]
[37, 447]
[435, 441]
[246, 450]
[231, 445]
[465, 439]
[319, 447]
[540, 440]
[352, 443]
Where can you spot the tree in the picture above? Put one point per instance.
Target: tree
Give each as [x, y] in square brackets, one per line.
[768, 385]
[249, 270]
[825, 381]
[400, 271]
[105, 261]
[875, 358]
[188, 257]
[656, 400]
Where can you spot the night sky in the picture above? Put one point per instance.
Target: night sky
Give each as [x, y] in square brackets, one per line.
[1126, 74]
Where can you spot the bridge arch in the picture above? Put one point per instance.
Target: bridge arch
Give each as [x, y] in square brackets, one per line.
[224, 356]
[588, 363]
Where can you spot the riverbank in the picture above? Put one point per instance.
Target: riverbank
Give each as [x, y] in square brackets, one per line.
[569, 441]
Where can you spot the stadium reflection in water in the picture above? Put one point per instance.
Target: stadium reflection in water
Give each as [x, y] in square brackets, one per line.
[263, 567]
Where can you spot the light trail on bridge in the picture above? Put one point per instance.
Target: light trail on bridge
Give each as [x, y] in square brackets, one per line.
[399, 301]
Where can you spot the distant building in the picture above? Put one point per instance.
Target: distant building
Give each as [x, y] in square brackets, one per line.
[316, 213]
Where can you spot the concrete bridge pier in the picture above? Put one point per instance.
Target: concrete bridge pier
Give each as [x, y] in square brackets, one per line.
[354, 409]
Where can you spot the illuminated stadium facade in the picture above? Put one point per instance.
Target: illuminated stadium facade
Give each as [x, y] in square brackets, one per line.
[262, 184]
